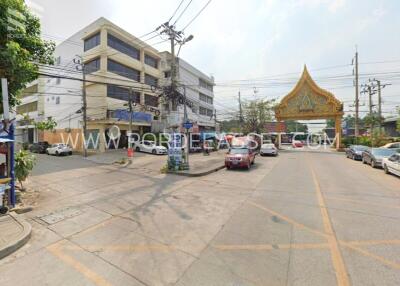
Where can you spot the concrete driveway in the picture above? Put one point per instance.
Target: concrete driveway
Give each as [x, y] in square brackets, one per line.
[298, 219]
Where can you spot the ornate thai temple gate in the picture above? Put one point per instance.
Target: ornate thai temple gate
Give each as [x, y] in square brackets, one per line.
[307, 101]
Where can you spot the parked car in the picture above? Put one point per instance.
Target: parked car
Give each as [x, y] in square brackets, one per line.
[355, 151]
[59, 149]
[374, 156]
[393, 145]
[392, 164]
[39, 147]
[150, 147]
[268, 149]
[297, 144]
[240, 158]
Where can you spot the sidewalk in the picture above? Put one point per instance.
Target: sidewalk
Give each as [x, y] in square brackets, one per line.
[201, 165]
[14, 233]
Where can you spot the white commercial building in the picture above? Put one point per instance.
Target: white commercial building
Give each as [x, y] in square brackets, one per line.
[199, 92]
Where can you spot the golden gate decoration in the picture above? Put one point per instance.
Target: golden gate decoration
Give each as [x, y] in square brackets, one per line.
[308, 101]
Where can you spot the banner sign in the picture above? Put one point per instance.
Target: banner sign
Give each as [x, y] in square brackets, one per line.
[175, 150]
[123, 114]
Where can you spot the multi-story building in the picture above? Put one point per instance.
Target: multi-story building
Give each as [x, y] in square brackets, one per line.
[199, 92]
[117, 66]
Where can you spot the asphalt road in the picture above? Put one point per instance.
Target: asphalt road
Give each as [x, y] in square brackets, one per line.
[301, 218]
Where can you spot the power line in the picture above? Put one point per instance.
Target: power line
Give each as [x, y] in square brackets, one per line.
[182, 12]
[176, 10]
[194, 18]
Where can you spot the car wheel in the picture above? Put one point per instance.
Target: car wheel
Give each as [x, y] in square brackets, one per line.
[353, 157]
[154, 152]
[385, 169]
[228, 167]
[373, 165]
[137, 149]
[363, 160]
[47, 152]
[70, 153]
[253, 161]
[57, 154]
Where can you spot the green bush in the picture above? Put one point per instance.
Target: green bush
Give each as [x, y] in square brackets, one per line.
[24, 163]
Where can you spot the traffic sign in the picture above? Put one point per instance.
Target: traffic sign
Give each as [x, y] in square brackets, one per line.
[187, 125]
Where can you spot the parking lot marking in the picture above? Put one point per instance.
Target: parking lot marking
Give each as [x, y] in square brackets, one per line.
[371, 255]
[337, 259]
[125, 247]
[361, 202]
[289, 220]
[55, 249]
[264, 247]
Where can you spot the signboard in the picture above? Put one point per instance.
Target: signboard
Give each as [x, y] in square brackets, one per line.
[175, 150]
[123, 114]
[187, 125]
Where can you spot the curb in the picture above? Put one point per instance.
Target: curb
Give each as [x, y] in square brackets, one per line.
[21, 241]
[199, 174]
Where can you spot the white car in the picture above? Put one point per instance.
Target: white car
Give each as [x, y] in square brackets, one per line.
[393, 145]
[59, 149]
[392, 164]
[268, 149]
[150, 147]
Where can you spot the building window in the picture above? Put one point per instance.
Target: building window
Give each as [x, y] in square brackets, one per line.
[122, 70]
[58, 80]
[92, 42]
[92, 66]
[167, 74]
[151, 100]
[148, 60]
[150, 80]
[206, 98]
[205, 111]
[122, 47]
[57, 100]
[121, 93]
[28, 107]
[205, 84]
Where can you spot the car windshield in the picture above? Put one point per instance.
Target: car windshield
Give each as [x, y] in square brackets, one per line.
[268, 146]
[239, 151]
[383, 152]
[360, 148]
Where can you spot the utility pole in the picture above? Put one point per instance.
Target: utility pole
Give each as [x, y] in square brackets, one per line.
[186, 120]
[357, 103]
[379, 105]
[81, 66]
[130, 111]
[240, 113]
[368, 89]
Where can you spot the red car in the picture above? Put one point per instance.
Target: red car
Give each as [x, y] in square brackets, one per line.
[297, 144]
[240, 158]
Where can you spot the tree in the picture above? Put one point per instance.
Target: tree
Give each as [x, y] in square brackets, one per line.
[256, 114]
[21, 48]
[48, 124]
[230, 125]
[24, 163]
[294, 126]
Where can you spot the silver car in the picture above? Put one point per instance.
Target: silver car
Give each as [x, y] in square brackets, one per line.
[59, 149]
[268, 149]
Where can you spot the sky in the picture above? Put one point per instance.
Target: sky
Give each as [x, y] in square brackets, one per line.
[260, 46]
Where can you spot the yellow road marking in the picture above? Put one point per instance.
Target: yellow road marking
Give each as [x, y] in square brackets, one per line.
[371, 255]
[91, 275]
[371, 242]
[127, 247]
[361, 202]
[337, 259]
[261, 247]
[289, 220]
